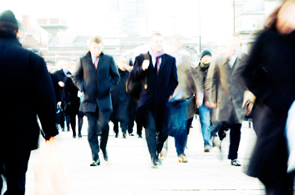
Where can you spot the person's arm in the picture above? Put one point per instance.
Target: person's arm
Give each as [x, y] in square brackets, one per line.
[255, 73]
[115, 76]
[43, 92]
[77, 77]
[173, 80]
[211, 84]
[138, 73]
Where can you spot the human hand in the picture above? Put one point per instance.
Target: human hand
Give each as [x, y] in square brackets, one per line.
[249, 107]
[199, 100]
[61, 84]
[145, 64]
[211, 104]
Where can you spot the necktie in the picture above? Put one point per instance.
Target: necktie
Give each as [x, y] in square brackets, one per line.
[157, 64]
[95, 62]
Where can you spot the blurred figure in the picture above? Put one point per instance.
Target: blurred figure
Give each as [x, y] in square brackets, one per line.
[96, 75]
[161, 80]
[179, 101]
[132, 113]
[71, 101]
[269, 74]
[59, 77]
[224, 92]
[28, 94]
[121, 100]
[204, 112]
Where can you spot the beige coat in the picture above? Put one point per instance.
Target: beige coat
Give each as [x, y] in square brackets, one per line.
[188, 81]
[224, 85]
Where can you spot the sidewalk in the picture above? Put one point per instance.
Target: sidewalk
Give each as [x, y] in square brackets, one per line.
[129, 172]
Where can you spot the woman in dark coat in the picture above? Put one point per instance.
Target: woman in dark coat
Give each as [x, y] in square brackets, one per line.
[269, 74]
[121, 100]
[72, 103]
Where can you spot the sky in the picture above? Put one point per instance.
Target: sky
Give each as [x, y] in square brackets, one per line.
[166, 16]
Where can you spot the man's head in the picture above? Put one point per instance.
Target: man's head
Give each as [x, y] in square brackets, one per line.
[233, 46]
[157, 42]
[62, 64]
[206, 57]
[8, 21]
[95, 46]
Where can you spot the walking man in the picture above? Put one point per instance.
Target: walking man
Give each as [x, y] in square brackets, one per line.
[159, 79]
[27, 92]
[204, 112]
[225, 91]
[96, 75]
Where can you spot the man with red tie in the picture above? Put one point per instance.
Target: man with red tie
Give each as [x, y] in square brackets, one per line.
[159, 79]
[96, 74]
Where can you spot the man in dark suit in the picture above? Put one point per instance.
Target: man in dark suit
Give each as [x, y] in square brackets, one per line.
[27, 92]
[96, 74]
[159, 76]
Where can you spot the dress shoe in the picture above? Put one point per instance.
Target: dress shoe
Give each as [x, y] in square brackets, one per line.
[235, 162]
[105, 155]
[95, 163]
[154, 163]
[131, 134]
[116, 135]
[79, 135]
[124, 135]
[74, 136]
[139, 136]
[182, 159]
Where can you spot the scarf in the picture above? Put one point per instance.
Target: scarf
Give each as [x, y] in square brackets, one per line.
[155, 54]
[204, 66]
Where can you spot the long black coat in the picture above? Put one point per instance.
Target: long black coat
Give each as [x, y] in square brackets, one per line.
[27, 92]
[121, 99]
[71, 99]
[269, 74]
[96, 83]
[159, 87]
[59, 75]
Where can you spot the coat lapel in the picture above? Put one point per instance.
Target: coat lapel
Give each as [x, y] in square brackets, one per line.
[163, 63]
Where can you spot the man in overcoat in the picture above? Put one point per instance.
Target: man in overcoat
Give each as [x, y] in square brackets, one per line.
[225, 91]
[96, 74]
[27, 92]
[159, 80]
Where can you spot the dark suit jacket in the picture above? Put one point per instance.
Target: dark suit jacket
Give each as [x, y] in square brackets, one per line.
[159, 86]
[96, 83]
[27, 92]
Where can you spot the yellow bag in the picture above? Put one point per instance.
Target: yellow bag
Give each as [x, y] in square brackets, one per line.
[50, 173]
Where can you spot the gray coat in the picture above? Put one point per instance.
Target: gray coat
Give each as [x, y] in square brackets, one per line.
[225, 86]
[96, 83]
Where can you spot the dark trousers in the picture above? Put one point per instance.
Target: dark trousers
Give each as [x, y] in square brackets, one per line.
[123, 125]
[235, 136]
[13, 166]
[98, 125]
[132, 118]
[155, 137]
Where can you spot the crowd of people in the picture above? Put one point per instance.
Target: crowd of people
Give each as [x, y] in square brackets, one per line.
[222, 89]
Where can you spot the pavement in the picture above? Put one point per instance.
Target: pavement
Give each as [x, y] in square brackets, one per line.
[129, 170]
